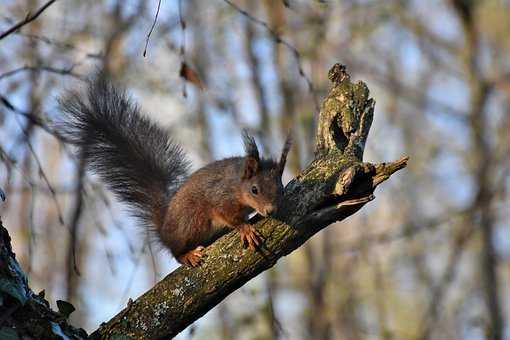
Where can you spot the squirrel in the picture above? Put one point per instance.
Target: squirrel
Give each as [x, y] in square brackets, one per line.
[146, 169]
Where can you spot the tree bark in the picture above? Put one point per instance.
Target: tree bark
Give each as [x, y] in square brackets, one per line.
[334, 186]
[23, 314]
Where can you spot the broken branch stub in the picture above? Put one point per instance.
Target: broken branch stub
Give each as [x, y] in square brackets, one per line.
[346, 116]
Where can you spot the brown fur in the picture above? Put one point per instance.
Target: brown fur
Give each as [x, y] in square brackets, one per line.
[215, 196]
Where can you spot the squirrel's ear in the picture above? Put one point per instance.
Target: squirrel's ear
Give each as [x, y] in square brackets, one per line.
[250, 146]
[285, 151]
[251, 166]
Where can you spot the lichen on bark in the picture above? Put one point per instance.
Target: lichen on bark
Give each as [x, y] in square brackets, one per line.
[346, 116]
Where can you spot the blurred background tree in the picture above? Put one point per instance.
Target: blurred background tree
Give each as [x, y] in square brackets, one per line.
[428, 260]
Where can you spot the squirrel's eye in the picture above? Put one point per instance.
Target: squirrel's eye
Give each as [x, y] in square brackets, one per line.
[254, 190]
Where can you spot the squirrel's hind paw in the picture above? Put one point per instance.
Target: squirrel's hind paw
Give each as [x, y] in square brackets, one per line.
[193, 257]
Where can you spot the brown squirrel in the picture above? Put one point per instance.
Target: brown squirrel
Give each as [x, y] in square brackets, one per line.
[140, 163]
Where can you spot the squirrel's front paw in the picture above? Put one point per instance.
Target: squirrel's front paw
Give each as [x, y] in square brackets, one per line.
[192, 258]
[250, 237]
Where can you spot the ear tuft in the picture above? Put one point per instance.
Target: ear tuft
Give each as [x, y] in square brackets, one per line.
[251, 166]
[285, 151]
[250, 146]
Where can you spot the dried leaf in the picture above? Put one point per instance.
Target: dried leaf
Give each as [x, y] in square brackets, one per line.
[191, 76]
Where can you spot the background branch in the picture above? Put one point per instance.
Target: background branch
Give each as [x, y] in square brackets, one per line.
[29, 18]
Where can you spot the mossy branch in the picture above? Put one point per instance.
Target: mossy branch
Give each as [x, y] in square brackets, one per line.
[334, 186]
[23, 314]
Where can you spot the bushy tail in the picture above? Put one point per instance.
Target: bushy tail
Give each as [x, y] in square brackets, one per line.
[132, 155]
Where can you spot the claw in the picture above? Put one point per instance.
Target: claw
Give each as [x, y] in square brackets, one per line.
[250, 237]
[193, 257]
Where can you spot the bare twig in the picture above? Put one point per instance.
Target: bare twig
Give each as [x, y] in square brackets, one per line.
[152, 28]
[68, 71]
[61, 45]
[29, 18]
[44, 176]
[278, 39]
[439, 291]
[77, 211]
[33, 118]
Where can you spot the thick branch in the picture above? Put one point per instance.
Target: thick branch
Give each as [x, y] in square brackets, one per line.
[23, 314]
[334, 186]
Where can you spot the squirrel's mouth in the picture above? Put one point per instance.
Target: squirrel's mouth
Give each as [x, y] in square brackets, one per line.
[266, 211]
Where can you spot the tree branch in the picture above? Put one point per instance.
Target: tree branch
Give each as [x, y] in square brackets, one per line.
[24, 314]
[334, 186]
[29, 18]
